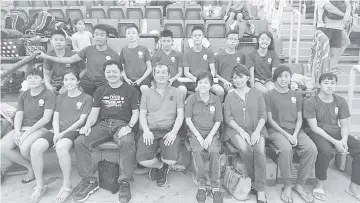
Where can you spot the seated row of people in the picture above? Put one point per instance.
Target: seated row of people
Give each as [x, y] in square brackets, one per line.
[138, 63]
[116, 108]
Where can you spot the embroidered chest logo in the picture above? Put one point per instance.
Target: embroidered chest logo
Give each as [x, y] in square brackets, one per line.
[113, 101]
[237, 59]
[269, 60]
[78, 105]
[108, 58]
[172, 98]
[173, 59]
[205, 57]
[212, 109]
[41, 102]
[67, 65]
[140, 55]
[336, 110]
[293, 100]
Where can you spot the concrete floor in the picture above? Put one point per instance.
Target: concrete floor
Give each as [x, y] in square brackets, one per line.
[179, 189]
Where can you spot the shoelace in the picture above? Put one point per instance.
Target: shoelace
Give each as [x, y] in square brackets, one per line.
[124, 187]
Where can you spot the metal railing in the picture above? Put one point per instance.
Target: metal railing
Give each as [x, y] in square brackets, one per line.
[298, 14]
[355, 69]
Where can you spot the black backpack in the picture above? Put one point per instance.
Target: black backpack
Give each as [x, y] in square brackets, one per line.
[12, 82]
[108, 176]
[15, 20]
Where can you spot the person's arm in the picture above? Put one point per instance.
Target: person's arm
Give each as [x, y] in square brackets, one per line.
[316, 129]
[42, 122]
[47, 78]
[179, 74]
[18, 119]
[252, 77]
[228, 8]
[344, 124]
[79, 123]
[298, 124]
[276, 127]
[262, 114]
[188, 74]
[275, 61]
[333, 9]
[55, 123]
[143, 120]
[248, 6]
[212, 69]
[74, 43]
[179, 120]
[93, 116]
[71, 59]
[214, 129]
[192, 127]
[228, 115]
[147, 72]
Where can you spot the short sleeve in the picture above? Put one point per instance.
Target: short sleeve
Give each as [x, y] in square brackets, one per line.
[299, 102]
[185, 60]
[227, 109]
[97, 98]
[275, 59]
[211, 56]
[58, 103]
[154, 59]
[249, 60]
[87, 105]
[134, 101]
[20, 102]
[50, 100]
[218, 111]
[309, 108]
[189, 106]
[143, 101]
[262, 107]
[147, 55]
[122, 59]
[83, 52]
[343, 109]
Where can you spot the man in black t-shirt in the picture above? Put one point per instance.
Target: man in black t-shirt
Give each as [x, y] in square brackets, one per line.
[116, 104]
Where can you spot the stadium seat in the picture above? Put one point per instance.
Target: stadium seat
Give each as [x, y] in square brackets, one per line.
[57, 12]
[223, 3]
[76, 12]
[108, 3]
[97, 12]
[33, 11]
[118, 43]
[209, 2]
[90, 23]
[24, 10]
[175, 12]
[215, 28]
[260, 26]
[135, 12]
[22, 3]
[72, 3]
[3, 14]
[193, 12]
[254, 11]
[153, 12]
[88, 3]
[116, 12]
[151, 24]
[247, 47]
[176, 26]
[216, 44]
[189, 24]
[112, 22]
[56, 3]
[123, 23]
[39, 3]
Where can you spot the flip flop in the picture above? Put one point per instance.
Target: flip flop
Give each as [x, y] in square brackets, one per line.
[357, 196]
[43, 190]
[303, 196]
[317, 192]
[23, 181]
[285, 198]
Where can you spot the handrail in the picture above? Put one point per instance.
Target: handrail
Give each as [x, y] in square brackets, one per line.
[18, 65]
[355, 69]
[293, 13]
[315, 15]
[304, 10]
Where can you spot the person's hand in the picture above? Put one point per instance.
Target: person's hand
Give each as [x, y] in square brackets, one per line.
[169, 138]
[227, 84]
[16, 137]
[344, 142]
[255, 137]
[138, 82]
[23, 136]
[124, 131]
[201, 140]
[57, 137]
[128, 81]
[346, 17]
[339, 146]
[225, 17]
[85, 130]
[41, 55]
[293, 140]
[246, 137]
[208, 140]
[148, 137]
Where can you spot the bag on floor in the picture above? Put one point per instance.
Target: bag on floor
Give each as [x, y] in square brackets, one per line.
[236, 183]
[12, 83]
[39, 22]
[15, 20]
[108, 176]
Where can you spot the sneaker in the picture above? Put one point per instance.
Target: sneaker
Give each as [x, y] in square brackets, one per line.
[153, 173]
[216, 195]
[88, 188]
[124, 192]
[161, 178]
[201, 195]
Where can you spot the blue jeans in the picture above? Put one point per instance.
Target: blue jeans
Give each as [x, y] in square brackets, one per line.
[102, 132]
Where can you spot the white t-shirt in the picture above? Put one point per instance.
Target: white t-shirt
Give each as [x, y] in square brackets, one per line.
[333, 24]
[82, 40]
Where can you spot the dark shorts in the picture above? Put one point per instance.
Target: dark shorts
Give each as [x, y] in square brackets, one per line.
[89, 85]
[191, 86]
[244, 11]
[334, 35]
[49, 136]
[177, 84]
[148, 152]
[57, 83]
[227, 89]
[262, 81]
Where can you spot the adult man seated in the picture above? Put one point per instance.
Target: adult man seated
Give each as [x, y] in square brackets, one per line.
[116, 106]
[323, 113]
[161, 116]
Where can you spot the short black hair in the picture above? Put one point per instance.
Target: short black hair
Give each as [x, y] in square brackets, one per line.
[102, 27]
[279, 70]
[35, 71]
[198, 28]
[112, 62]
[132, 25]
[166, 33]
[329, 76]
[58, 32]
[240, 69]
[270, 35]
[232, 32]
[203, 76]
[74, 72]
[77, 20]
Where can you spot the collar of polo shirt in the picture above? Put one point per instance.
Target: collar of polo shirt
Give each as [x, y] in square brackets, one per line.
[210, 101]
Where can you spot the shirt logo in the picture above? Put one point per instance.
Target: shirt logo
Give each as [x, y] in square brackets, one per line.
[238, 60]
[173, 59]
[212, 109]
[293, 100]
[140, 55]
[205, 57]
[108, 58]
[68, 65]
[78, 105]
[113, 101]
[41, 102]
[171, 98]
[269, 60]
[336, 110]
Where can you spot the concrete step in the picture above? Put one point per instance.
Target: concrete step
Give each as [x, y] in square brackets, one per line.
[307, 52]
[303, 38]
[285, 32]
[303, 26]
[344, 59]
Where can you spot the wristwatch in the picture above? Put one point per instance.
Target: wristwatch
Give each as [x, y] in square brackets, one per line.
[129, 125]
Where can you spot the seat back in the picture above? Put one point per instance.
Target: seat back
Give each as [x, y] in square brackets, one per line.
[108, 2]
[216, 44]
[88, 3]
[57, 12]
[39, 3]
[215, 28]
[119, 43]
[72, 3]
[260, 26]
[149, 25]
[193, 12]
[90, 23]
[189, 24]
[176, 27]
[76, 12]
[175, 12]
[22, 3]
[116, 12]
[124, 23]
[56, 3]
[112, 22]
[153, 12]
[135, 12]
[97, 12]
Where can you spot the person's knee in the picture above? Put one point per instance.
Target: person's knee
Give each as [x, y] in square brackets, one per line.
[147, 163]
[127, 141]
[183, 90]
[168, 162]
[143, 88]
[231, 15]
[38, 147]
[239, 16]
[269, 85]
[261, 87]
[214, 154]
[218, 90]
[286, 149]
[25, 150]
[62, 148]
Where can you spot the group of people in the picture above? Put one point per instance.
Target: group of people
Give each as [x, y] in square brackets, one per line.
[72, 103]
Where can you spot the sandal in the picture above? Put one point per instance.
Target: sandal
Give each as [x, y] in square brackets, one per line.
[305, 196]
[285, 198]
[27, 180]
[319, 194]
[60, 197]
[39, 196]
[357, 196]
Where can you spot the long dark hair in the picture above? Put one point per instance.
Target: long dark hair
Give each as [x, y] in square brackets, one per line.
[270, 35]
